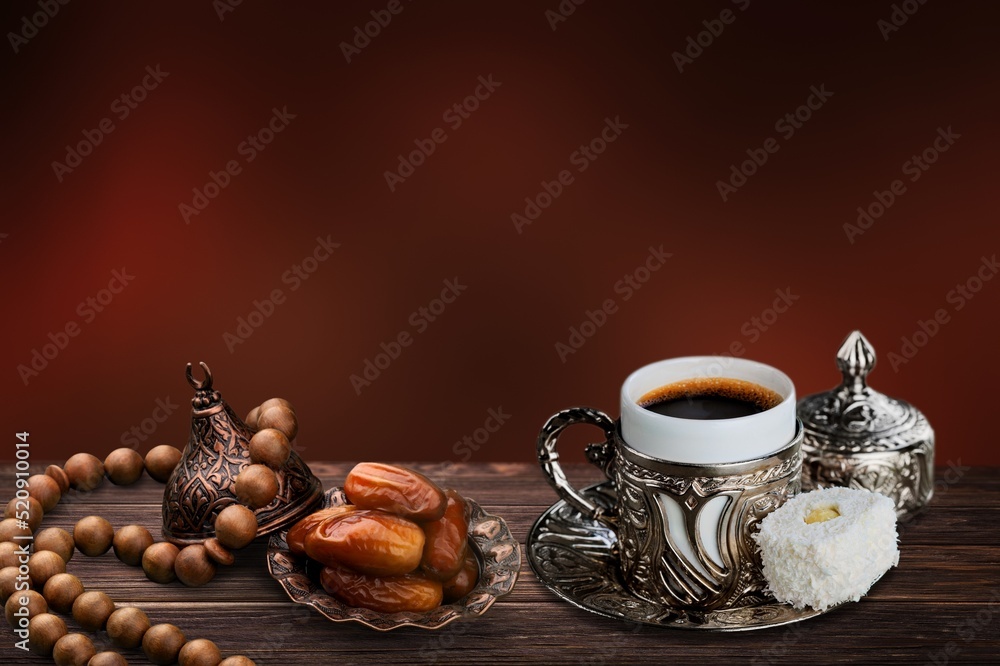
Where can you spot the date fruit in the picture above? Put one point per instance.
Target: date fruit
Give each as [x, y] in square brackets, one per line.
[297, 534]
[463, 583]
[447, 540]
[391, 594]
[368, 541]
[395, 489]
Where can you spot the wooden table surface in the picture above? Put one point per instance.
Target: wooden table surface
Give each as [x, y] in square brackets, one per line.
[941, 605]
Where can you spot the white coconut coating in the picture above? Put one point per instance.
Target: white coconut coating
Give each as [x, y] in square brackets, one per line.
[826, 563]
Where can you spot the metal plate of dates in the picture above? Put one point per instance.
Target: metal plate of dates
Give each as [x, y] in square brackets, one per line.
[498, 552]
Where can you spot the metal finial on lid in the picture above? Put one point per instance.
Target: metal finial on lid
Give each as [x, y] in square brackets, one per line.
[856, 436]
[856, 358]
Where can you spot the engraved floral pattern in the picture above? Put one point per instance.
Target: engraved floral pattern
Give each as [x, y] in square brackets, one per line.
[202, 484]
[577, 558]
[657, 569]
[907, 477]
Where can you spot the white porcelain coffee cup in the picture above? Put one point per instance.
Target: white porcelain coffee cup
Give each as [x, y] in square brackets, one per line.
[698, 441]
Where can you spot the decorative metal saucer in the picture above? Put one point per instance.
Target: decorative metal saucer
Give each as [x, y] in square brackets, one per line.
[498, 552]
[575, 557]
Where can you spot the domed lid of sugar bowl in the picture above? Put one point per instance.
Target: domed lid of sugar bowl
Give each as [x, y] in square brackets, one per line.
[854, 418]
[856, 437]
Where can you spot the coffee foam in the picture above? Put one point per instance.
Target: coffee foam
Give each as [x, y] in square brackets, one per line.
[723, 387]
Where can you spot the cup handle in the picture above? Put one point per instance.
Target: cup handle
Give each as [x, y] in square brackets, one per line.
[600, 454]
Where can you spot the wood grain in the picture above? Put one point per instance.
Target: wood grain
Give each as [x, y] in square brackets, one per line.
[945, 592]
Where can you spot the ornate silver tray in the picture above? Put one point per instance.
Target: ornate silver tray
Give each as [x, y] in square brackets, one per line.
[498, 552]
[575, 557]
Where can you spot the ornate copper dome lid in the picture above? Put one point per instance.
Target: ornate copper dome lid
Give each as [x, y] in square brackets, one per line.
[203, 482]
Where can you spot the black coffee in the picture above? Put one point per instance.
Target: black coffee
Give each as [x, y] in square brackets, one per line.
[710, 398]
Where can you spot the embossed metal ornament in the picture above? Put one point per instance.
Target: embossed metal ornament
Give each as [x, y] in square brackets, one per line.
[664, 508]
[860, 438]
[203, 482]
[576, 557]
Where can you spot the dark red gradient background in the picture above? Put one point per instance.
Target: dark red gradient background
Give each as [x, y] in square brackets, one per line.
[495, 346]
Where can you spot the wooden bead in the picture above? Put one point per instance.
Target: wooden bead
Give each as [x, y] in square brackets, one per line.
[85, 472]
[35, 604]
[9, 556]
[235, 526]
[158, 562]
[127, 626]
[43, 632]
[252, 416]
[93, 536]
[8, 583]
[44, 489]
[11, 528]
[61, 591]
[270, 447]
[256, 486]
[218, 553]
[16, 508]
[43, 565]
[162, 643]
[161, 461]
[91, 610]
[57, 474]
[107, 658]
[193, 566]
[123, 466]
[276, 402]
[281, 418]
[199, 652]
[73, 650]
[130, 543]
[57, 540]
[237, 660]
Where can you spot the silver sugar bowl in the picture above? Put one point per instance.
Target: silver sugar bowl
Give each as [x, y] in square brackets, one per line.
[860, 438]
